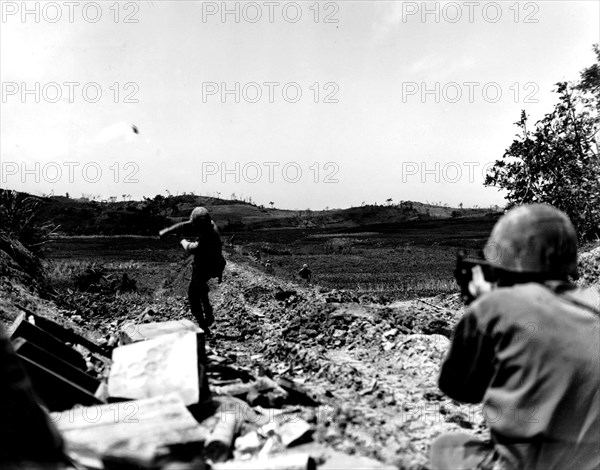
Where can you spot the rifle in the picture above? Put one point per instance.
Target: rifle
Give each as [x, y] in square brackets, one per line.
[184, 229]
[464, 274]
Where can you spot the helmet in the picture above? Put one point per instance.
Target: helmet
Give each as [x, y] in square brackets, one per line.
[199, 216]
[305, 266]
[534, 238]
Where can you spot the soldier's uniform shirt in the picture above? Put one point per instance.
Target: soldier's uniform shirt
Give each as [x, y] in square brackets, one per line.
[531, 354]
[207, 251]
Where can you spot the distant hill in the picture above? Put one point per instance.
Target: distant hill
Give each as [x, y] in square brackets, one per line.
[85, 217]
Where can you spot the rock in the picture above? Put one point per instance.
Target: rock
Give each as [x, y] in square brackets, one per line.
[248, 443]
[391, 332]
[297, 394]
[293, 431]
[261, 392]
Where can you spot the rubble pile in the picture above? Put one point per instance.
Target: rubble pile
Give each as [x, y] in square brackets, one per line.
[374, 366]
[154, 408]
[311, 320]
[104, 314]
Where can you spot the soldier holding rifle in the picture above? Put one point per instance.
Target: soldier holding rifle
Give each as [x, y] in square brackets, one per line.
[528, 348]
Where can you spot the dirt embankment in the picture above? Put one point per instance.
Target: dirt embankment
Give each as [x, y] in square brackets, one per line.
[22, 282]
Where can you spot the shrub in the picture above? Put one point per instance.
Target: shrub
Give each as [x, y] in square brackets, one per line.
[18, 219]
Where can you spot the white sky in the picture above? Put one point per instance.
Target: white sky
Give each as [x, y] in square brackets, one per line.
[373, 143]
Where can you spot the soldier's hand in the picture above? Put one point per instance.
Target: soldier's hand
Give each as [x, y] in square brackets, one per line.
[478, 285]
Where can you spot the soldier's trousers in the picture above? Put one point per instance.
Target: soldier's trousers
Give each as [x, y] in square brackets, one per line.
[200, 303]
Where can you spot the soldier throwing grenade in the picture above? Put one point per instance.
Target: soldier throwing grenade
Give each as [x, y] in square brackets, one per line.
[208, 261]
